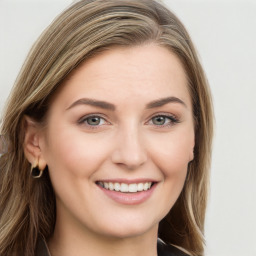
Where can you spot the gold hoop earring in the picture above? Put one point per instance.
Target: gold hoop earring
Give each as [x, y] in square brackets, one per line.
[36, 172]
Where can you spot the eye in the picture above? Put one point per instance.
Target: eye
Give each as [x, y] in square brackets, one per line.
[93, 121]
[163, 120]
[159, 120]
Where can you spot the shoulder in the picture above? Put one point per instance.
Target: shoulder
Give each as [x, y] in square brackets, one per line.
[164, 249]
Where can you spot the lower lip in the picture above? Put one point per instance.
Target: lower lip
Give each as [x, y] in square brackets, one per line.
[129, 198]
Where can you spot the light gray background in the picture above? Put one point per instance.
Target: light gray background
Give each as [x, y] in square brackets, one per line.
[224, 33]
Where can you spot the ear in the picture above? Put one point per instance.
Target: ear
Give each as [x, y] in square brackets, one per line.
[31, 145]
[191, 153]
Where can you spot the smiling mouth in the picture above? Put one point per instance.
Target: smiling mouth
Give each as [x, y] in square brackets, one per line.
[126, 188]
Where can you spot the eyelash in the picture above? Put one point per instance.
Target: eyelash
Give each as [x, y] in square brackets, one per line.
[84, 121]
[172, 120]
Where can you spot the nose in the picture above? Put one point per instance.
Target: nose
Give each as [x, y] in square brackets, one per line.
[129, 150]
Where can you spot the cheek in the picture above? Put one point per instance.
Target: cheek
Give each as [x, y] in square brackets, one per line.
[74, 153]
[173, 152]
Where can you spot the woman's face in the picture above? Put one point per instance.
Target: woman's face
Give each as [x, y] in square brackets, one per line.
[121, 121]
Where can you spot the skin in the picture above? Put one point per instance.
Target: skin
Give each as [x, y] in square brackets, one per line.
[127, 143]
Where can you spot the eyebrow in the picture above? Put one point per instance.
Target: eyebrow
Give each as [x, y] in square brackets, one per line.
[164, 101]
[93, 102]
[109, 106]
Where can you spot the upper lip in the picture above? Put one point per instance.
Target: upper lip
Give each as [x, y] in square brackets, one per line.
[128, 181]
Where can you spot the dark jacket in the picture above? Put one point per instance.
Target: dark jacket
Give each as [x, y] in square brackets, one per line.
[162, 249]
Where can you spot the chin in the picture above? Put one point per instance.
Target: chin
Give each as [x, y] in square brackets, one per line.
[128, 229]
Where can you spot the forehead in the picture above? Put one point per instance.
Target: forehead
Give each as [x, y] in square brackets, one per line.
[142, 72]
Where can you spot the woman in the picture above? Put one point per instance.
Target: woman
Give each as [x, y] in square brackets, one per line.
[109, 131]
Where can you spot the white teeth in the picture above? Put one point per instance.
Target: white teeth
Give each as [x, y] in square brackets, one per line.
[140, 187]
[133, 188]
[124, 188]
[145, 186]
[117, 187]
[106, 185]
[110, 186]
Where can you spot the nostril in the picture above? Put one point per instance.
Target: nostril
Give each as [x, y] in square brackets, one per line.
[128, 159]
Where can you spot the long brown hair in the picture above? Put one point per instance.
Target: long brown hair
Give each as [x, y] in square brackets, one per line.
[27, 205]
